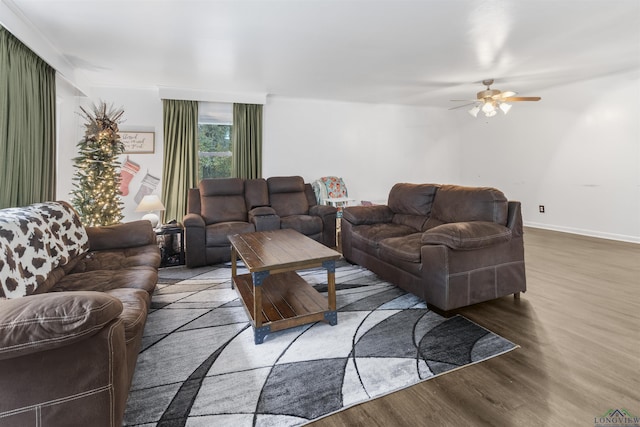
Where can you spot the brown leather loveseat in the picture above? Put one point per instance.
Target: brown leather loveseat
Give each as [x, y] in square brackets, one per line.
[225, 206]
[73, 306]
[450, 245]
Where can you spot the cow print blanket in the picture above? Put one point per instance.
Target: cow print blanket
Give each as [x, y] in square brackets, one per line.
[34, 240]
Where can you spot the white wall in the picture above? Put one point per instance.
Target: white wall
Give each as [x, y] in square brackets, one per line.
[68, 132]
[577, 152]
[370, 146]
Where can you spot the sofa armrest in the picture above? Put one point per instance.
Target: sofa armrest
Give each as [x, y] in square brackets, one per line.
[194, 240]
[264, 218]
[467, 235]
[360, 215]
[328, 215]
[514, 218]
[323, 210]
[123, 235]
[193, 220]
[43, 322]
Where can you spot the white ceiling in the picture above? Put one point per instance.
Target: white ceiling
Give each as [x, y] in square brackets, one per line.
[389, 51]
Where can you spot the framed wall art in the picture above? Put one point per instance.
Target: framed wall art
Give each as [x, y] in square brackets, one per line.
[138, 142]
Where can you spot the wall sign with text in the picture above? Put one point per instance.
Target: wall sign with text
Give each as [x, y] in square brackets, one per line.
[138, 142]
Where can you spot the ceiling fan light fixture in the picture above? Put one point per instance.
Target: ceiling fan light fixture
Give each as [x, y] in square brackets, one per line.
[474, 111]
[488, 107]
[505, 107]
[491, 113]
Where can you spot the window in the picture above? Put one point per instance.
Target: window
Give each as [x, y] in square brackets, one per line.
[215, 123]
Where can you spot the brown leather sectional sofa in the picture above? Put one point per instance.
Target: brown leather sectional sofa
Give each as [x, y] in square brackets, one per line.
[225, 206]
[73, 305]
[450, 245]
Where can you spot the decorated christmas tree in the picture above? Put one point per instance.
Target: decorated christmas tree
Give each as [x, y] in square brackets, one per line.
[96, 194]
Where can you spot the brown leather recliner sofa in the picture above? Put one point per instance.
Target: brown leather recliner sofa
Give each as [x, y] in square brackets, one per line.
[73, 306]
[221, 207]
[450, 245]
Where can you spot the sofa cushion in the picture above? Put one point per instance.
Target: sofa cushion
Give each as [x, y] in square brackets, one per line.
[416, 222]
[304, 224]
[412, 199]
[286, 204]
[467, 235]
[122, 235]
[287, 195]
[405, 248]
[224, 208]
[41, 322]
[367, 237]
[136, 303]
[216, 234]
[285, 184]
[454, 203]
[221, 187]
[51, 280]
[118, 258]
[141, 277]
[222, 199]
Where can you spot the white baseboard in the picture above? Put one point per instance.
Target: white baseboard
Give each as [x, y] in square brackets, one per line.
[590, 233]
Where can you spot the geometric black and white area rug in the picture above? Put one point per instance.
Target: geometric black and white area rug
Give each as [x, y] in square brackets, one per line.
[199, 365]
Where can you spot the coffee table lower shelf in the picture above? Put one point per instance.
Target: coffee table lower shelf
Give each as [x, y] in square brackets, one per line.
[287, 300]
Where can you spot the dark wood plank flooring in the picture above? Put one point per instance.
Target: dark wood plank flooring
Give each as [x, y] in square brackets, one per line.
[578, 326]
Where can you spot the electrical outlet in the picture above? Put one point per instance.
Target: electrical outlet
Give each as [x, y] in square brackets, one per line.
[541, 208]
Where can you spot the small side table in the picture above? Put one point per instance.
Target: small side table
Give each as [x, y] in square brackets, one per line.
[339, 203]
[165, 235]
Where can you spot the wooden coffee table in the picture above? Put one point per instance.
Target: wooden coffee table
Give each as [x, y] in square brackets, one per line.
[275, 296]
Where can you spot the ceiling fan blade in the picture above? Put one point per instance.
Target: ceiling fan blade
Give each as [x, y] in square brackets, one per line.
[460, 106]
[521, 98]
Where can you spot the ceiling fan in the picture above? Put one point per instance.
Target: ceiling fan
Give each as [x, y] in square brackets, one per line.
[490, 100]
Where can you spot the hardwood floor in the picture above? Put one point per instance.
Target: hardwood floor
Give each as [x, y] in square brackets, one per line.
[578, 326]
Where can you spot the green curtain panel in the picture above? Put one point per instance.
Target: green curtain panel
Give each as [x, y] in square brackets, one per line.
[180, 168]
[246, 141]
[27, 125]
